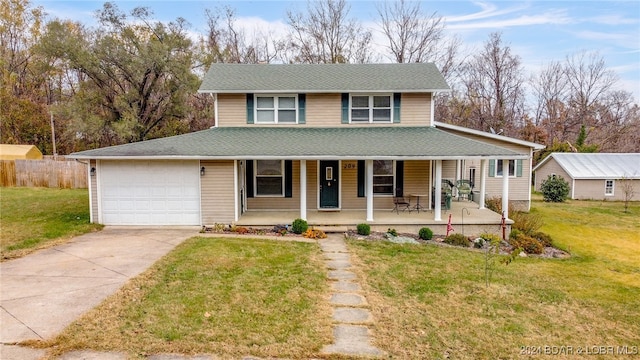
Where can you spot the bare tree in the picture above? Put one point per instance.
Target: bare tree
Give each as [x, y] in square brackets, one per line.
[628, 190]
[228, 43]
[551, 92]
[414, 36]
[326, 35]
[494, 84]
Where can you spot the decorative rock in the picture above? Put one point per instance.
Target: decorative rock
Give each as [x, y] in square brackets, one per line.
[522, 254]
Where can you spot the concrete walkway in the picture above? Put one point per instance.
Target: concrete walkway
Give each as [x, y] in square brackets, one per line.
[350, 309]
[42, 293]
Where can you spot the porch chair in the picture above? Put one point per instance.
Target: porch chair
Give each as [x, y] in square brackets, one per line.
[400, 202]
[464, 189]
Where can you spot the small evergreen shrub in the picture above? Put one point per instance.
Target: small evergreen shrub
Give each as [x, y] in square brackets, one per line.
[457, 240]
[554, 189]
[299, 226]
[363, 229]
[527, 243]
[425, 233]
[392, 232]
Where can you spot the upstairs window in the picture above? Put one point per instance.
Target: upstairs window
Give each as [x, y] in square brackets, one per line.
[371, 108]
[280, 109]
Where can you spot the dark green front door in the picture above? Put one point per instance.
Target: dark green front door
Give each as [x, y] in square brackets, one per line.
[329, 184]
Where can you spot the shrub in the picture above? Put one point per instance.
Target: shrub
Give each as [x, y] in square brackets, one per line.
[425, 233]
[314, 234]
[299, 226]
[494, 204]
[457, 240]
[491, 238]
[526, 222]
[392, 232]
[363, 229]
[544, 238]
[527, 243]
[554, 189]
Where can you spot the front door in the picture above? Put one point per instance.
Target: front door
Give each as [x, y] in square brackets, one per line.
[329, 184]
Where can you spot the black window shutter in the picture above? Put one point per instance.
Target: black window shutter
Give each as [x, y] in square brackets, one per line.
[302, 100]
[249, 108]
[345, 108]
[288, 178]
[249, 174]
[399, 178]
[361, 178]
[396, 107]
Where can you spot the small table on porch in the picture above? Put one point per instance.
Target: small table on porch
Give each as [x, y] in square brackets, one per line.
[418, 206]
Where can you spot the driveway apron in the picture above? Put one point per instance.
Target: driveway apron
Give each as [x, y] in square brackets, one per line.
[44, 292]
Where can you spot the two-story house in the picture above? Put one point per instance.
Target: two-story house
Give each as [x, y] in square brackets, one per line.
[330, 143]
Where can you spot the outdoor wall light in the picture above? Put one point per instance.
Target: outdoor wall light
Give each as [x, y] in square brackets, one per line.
[93, 171]
[202, 171]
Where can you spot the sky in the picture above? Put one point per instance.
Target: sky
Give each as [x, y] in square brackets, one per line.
[538, 31]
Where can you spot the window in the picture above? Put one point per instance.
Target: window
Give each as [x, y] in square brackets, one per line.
[608, 187]
[371, 108]
[383, 177]
[269, 179]
[280, 109]
[512, 168]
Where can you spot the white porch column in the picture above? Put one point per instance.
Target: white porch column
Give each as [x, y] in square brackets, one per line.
[483, 183]
[369, 188]
[303, 189]
[438, 192]
[505, 188]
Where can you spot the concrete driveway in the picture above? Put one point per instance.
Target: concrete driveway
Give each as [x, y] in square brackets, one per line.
[44, 292]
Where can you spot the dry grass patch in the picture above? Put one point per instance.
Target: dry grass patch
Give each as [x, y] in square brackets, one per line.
[229, 297]
[431, 302]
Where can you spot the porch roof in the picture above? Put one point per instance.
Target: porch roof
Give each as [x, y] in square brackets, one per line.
[374, 142]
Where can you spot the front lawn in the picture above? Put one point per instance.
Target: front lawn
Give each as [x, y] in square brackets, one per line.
[431, 302]
[232, 297]
[33, 218]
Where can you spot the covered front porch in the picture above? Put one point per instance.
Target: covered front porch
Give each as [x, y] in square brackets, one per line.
[466, 218]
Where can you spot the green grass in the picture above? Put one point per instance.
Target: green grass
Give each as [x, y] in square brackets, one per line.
[232, 297]
[429, 301]
[33, 218]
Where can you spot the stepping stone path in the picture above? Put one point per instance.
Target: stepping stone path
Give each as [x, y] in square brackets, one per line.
[350, 309]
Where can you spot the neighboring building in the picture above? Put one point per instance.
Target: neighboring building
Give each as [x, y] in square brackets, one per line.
[19, 152]
[592, 176]
[307, 140]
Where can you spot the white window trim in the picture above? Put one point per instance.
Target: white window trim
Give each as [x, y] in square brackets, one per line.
[255, 180]
[393, 189]
[276, 100]
[613, 188]
[514, 168]
[371, 108]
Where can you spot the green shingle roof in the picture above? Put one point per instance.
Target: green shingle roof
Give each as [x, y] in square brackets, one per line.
[323, 78]
[372, 142]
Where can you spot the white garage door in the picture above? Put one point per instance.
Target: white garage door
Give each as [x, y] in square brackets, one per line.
[149, 192]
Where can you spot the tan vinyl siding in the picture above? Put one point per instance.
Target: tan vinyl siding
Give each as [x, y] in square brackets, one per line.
[415, 109]
[217, 192]
[232, 110]
[416, 180]
[519, 188]
[549, 168]
[349, 188]
[323, 110]
[449, 170]
[588, 189]
[93, 187]
[281, 203]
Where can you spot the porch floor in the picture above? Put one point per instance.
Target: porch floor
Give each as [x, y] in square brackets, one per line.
[475, 220]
